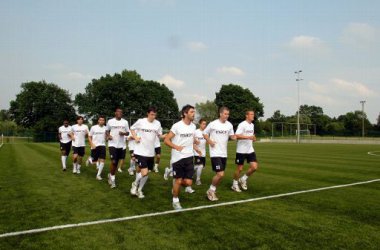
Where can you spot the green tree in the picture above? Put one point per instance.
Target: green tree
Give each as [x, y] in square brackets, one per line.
[238, 99]
[277, 117]
[129, 91]
[207, 110]
[353, 122]
[41, 106]
[4, 115]
[316, 116]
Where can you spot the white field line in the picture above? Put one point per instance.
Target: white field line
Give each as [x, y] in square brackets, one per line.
[97, 222]
[374, 153]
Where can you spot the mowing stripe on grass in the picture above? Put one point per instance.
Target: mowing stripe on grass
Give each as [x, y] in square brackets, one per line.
[89, 223]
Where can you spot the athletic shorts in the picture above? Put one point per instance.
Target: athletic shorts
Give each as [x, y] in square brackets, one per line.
[65, 147]
[78, 151]
[183, 168]
[98, 153]
[145, 162]
[199, 160]
[116, 154]
[218, 163]
[157, 150]
[240, 158]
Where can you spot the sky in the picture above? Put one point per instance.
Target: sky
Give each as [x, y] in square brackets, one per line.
[196, 46]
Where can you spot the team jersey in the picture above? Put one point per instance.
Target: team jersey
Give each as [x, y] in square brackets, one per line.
[157, 142]
[219, 133]
[98, 134]
[131, 145]
[184, 136]
[148, 132]
[115, 127]
[65, 133]
[244, 146]
[80, 132]
[202, 143]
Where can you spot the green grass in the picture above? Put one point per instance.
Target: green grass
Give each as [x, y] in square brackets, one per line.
[35, 193]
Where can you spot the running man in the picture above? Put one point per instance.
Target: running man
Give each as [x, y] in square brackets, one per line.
[148, 130]
[117, 130]
[245, 134]
[97, 140]
[78, 135]
[181, 139]
[200, 160]
[64, 133]
[217, 134]
[132, 162]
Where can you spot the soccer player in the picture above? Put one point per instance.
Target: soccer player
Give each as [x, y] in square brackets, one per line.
[117, 129]
[64, 133]
[200, 141]
[132, 163]
[78, 135]
[148, 130]
[181, 140]
[245, 134]
[168, 171]
[157, 149]
[217, 134]
[97, 140]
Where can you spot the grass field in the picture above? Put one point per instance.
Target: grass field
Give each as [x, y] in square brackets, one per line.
[35, 193]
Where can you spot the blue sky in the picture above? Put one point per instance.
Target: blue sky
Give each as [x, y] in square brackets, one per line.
[196, 46]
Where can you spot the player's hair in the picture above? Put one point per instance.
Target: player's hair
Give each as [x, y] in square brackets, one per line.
[101, 116]
[79, 117]
[222, 109]
[201, 120]
[152, 109]
[186, 109]
[249, 110]
[66, 120]
[118, 107]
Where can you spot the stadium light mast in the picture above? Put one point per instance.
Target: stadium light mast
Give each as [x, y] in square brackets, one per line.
[362, 102]
[298, 79]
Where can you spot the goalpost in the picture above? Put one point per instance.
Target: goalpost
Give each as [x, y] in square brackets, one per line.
[289, 130]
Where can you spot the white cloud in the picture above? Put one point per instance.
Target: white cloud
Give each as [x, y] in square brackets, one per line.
[308, 45]
[77, 76]
[170, 81]
[352, 88]
[231, 71]
[196, 46]
[360, 35]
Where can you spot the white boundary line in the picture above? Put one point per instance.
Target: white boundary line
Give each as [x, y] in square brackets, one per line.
[89, 223]
[374, 153]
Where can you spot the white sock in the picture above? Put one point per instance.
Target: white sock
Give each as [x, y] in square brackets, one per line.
[138, 178]
[132, 165]
[244, 178]
[199, 171]
[63, 159]
[100, 168]
[212, 188]
[234, 182]
[142, 182]
[90, 160]
[156, 165]
[112, 177]
[78, 167]
[188, 188]
[97, 164]
[74, 166]
[175, 199]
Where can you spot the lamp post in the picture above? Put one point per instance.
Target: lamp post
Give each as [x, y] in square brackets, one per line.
[362, 102]
[298, 79]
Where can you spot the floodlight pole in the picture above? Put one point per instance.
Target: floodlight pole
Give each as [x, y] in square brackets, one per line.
[298, 79]
[362, 102]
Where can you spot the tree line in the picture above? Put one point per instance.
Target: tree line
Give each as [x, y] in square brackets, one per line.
[41, 106]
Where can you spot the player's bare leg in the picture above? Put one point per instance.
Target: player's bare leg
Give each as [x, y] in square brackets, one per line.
[253, 166]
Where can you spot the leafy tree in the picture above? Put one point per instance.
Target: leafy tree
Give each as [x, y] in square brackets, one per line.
[4, 115]
[277, 117]
[129, 91]
[207, 110]
[316, 116]
[238, 99]
[41, 106]
[353, 122]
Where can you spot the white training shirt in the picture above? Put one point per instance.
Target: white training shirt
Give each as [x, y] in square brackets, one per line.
[202, 143]
[157, 143]
[98, 134]
[148, 132]
[131, 144]
[244, 146]
[184, 136]
[80, 132]
[65, 133]
[115, 126]
[219, 133]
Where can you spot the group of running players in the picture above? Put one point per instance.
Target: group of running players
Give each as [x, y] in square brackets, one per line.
[188, 149]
